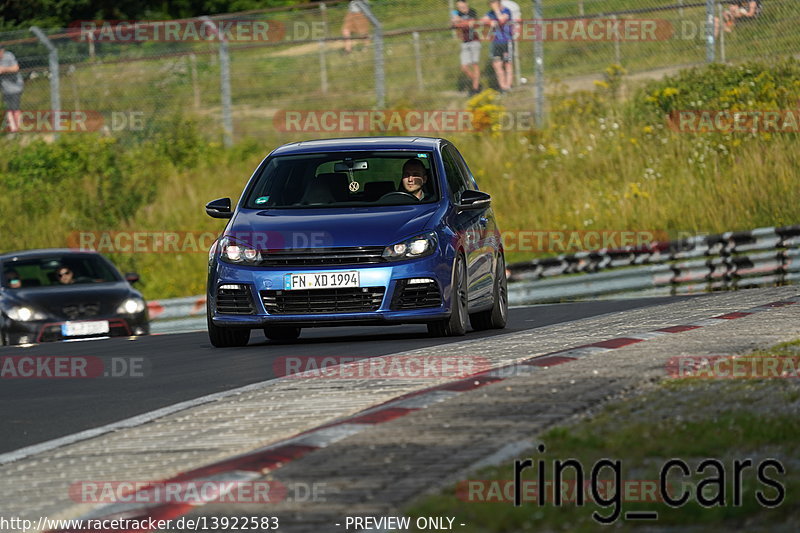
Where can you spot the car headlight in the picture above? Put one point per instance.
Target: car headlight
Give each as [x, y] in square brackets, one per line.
[232, 251]
[24, 314]
[419, 246]
[131, 306]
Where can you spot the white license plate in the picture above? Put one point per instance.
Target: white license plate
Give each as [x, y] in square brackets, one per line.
[321, 280]
[77, 329]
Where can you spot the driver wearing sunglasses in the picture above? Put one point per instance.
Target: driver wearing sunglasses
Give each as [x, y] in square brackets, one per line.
[65, 276]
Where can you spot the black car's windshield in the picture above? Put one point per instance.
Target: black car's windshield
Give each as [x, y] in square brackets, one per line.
[353, 179]
[57, 270]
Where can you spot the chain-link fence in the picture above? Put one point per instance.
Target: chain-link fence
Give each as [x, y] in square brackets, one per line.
[402, 55]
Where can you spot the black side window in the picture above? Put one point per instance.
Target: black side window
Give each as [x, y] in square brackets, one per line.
[455, 180]
[470, 179]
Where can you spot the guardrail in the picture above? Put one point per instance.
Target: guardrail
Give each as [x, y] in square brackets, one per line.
[732, 260]
[177, 307]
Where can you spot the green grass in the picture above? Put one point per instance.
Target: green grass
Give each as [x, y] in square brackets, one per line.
[726, 419]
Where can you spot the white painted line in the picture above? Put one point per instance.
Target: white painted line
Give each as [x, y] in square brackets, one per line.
[321, 438]
[579, 352]
[421, 401]
[647, 336]
[707, 322]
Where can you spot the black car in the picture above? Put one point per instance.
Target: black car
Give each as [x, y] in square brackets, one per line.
[57, 295]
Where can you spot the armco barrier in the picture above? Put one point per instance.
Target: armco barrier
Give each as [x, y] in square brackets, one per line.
[177, 307]
[732, 260]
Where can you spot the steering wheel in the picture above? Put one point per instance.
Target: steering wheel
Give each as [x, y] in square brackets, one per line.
[399, 193]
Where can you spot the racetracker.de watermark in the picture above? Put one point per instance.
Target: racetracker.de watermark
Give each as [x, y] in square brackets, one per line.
[72, 367]
[190, 30]
[728, 121]
[388, 367]
[601, 29]
[127, 242]
[398, 120]
[73, 121]
[502, 490]
[733, 367]
[193, 492]
[567, 241]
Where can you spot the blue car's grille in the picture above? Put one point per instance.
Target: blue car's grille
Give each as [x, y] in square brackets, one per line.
[416, 296]
[318, 301]
[355, 255]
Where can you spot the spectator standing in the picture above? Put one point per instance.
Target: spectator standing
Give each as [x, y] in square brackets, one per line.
[500, 19]
[516, 16]
[355, 22]
[464, 19]
[11, 86]
[741, 10]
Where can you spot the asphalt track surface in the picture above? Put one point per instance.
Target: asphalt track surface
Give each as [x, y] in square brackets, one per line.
[185, 366]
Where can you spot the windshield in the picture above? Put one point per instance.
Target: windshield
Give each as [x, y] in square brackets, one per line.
[57, 270]
[340, 179]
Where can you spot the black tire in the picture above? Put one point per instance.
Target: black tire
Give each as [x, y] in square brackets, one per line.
[497, 316]
[456, 325]
[227, 337]
[282, 333]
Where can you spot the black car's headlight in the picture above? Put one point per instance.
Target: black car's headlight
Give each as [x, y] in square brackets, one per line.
[233, 251]
[419, 246]
[23, 313]
[131, 306]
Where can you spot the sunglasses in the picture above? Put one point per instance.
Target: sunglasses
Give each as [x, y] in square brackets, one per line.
[62, 274]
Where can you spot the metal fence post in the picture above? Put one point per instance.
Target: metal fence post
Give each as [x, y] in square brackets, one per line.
[224, 82]
[617, 53]
[721, 33]
[380, 75]
[323, 67]
[195, 82]
[55, 95]
[323, 12]
[538, 57]
[418, 60]
[91, 45]
[710, 31]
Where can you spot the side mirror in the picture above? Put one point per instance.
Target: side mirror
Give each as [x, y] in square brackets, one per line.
[474, 200]
[131, 277]
[219, 208]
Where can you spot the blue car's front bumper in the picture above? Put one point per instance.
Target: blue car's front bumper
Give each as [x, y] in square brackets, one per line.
[387, 276]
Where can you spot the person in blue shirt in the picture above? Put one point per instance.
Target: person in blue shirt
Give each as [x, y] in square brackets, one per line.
[502, 31]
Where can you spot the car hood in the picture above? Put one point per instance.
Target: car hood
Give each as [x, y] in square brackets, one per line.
[280, 229]
[100, 299]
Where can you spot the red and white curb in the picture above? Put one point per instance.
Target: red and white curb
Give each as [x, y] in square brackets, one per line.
[256, 463]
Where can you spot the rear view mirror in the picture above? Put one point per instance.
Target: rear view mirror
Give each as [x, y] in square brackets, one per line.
[346, 166]
[131, 277]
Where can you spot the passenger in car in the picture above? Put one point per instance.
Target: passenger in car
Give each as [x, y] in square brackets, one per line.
[12, 279]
